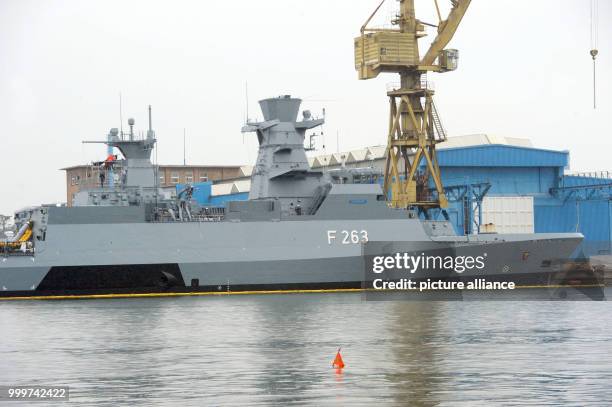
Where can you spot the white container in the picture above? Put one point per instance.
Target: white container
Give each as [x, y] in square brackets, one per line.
[508, 214]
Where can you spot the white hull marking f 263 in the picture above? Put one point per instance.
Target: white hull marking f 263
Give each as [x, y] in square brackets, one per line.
[347, 236]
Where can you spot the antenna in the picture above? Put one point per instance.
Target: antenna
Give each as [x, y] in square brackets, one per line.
[120, 117]
[246, 95]
[323, 134]
[150, 121]
[337, 141]
[593, 52]
[156, 183]
[131, 123]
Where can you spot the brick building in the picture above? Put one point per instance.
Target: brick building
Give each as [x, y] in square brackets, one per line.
[87, 176]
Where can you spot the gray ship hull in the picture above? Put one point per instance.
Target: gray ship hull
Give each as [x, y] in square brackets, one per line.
[124, 258]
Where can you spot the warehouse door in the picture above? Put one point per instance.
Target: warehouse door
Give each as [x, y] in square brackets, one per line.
[507, 214]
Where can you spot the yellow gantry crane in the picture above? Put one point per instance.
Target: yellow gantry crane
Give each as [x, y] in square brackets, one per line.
[414, 124]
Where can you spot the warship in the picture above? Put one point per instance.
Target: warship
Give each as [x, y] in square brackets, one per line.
[300, 229]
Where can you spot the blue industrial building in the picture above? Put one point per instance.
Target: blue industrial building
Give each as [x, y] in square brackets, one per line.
[220, 200]
[561, 203]
[481, 179]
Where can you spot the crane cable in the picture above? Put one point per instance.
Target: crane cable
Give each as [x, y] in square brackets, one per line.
[594, 50]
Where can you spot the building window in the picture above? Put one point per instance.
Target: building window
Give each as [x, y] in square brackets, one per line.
[203, 177]
[72, 180]
[175, 178]
[189, 177]
[162, 179]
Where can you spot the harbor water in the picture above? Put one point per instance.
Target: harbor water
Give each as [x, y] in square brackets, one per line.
[277, 350]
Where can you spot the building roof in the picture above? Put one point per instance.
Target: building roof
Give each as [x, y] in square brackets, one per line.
[243, 185]
[337, 158]
[221, 189]
[377, 152]
[483, 139]
[246, 170]
[321, 160]
[358, 155]
[495, 155]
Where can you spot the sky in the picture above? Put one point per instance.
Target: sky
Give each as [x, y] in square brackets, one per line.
[524, 71]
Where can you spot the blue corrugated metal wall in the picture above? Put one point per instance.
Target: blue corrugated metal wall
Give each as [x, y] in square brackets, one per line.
[202, 194]
[575, 180]
[510, 170]
[220, 200]
[530, 172]
[591, 218]
[495, 155]
[504, 180]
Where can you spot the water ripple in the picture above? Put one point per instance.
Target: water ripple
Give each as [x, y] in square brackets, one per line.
[263, 350]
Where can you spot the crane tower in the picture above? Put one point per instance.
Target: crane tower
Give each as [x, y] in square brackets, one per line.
[414, 124]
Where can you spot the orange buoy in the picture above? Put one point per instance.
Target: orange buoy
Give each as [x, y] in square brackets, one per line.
[338, 363]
